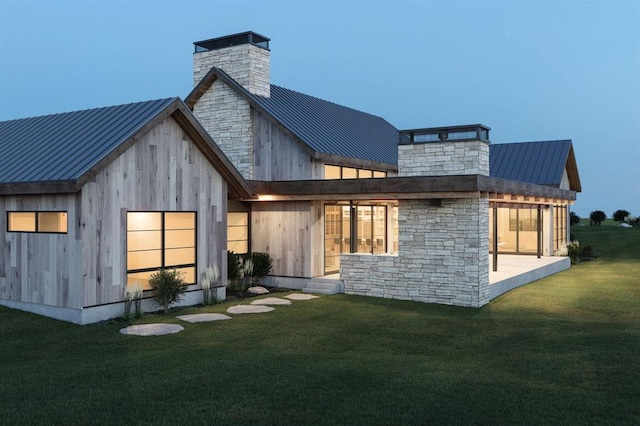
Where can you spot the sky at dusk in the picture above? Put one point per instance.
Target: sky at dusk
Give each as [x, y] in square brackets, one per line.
[529, 69]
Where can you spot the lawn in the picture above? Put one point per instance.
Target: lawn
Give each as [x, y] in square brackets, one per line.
[563, 350]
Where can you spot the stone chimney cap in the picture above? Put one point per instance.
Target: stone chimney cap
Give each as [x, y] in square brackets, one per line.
[247, 37]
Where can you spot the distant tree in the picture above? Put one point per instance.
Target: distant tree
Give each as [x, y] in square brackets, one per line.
[574, 219]
[597, 217]
[620, 215]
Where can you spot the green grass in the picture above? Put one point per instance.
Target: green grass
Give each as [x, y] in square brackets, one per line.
[564, 350]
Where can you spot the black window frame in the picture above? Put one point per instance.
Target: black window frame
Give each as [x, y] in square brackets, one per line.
[37, 230]
[163, 246]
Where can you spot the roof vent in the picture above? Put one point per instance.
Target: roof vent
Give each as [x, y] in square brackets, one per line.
[248, 37]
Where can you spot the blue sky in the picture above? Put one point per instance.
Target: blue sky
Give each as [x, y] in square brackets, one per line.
[531, 70]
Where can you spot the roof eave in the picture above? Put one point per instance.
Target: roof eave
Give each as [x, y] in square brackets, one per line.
[459, 186]
[36, 188]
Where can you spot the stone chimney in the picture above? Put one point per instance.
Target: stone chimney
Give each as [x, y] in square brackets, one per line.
[444, 151]
[244, 56]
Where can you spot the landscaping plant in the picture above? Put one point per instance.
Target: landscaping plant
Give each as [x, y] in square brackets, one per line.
[209, 283]
[169, 287]
[262, 264]
[133, 295]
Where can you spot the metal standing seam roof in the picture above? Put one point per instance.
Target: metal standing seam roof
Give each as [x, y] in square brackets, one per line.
[325, 127]
[62, 147]
[333, 129]
[541, 163]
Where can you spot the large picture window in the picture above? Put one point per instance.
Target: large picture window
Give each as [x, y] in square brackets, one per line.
[158, 240]
[41, 222]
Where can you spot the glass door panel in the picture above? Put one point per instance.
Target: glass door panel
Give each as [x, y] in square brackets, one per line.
[332, 238]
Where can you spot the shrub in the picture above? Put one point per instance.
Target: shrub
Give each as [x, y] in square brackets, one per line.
[574, 219]
[586, 252]
[597, 217]
[133, 295]
[169, 287]
[262, 264]
[573, 251]
[233, 266]
[620, 215]
[210, 279]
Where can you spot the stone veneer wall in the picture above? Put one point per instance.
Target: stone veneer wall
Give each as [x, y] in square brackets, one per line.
[224, 114]
[444, 158]
[247, 64]
[443, 256]
[227, 118]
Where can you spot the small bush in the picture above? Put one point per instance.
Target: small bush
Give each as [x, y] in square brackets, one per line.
[573, 251]
[262, 264]
[620, 215]
[233, 266]
[574, 219]
[597, 217]
[169, 287]
[586, 252]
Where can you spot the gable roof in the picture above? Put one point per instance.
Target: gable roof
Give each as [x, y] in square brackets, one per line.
[540, 163]
[61, 152]
[325, 128]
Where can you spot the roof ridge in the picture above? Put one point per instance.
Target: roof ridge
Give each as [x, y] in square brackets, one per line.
[542, 141]
[89, 109]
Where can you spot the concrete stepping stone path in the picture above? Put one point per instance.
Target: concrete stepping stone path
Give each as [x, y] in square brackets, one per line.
[203, 317]
[249, 309]
[151, 329]
[271, 301]
[301, 296]
[256, 307]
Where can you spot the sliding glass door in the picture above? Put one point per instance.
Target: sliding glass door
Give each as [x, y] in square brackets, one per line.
[352, 228]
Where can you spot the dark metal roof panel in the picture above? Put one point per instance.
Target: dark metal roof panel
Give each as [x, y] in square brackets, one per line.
[541, 163]
[64, 146]
[331, 128]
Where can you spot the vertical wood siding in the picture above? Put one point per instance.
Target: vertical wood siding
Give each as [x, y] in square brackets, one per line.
[276, 156]
[291, 232]
[163, 171]
[39, 267]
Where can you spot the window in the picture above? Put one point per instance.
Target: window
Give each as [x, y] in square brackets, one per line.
[560, 227]
[158, 240]
[354, 229]
[41, 222]
[238, 232]
[338, 172]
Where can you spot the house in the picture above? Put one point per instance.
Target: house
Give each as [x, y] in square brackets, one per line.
[341, 199]
[94, 200]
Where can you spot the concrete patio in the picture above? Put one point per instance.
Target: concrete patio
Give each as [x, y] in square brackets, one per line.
[513, 271]
[517, 270]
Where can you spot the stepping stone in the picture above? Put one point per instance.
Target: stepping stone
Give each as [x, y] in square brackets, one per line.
[203, 317]
[249, 309]
[151, 329]
[300, 296]
[271, 301]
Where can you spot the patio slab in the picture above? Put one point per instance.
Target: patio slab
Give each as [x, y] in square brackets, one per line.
[249, 309]
[151, 329]
[203, 317]
[300, 296]
[271, 301]
[517, 270]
